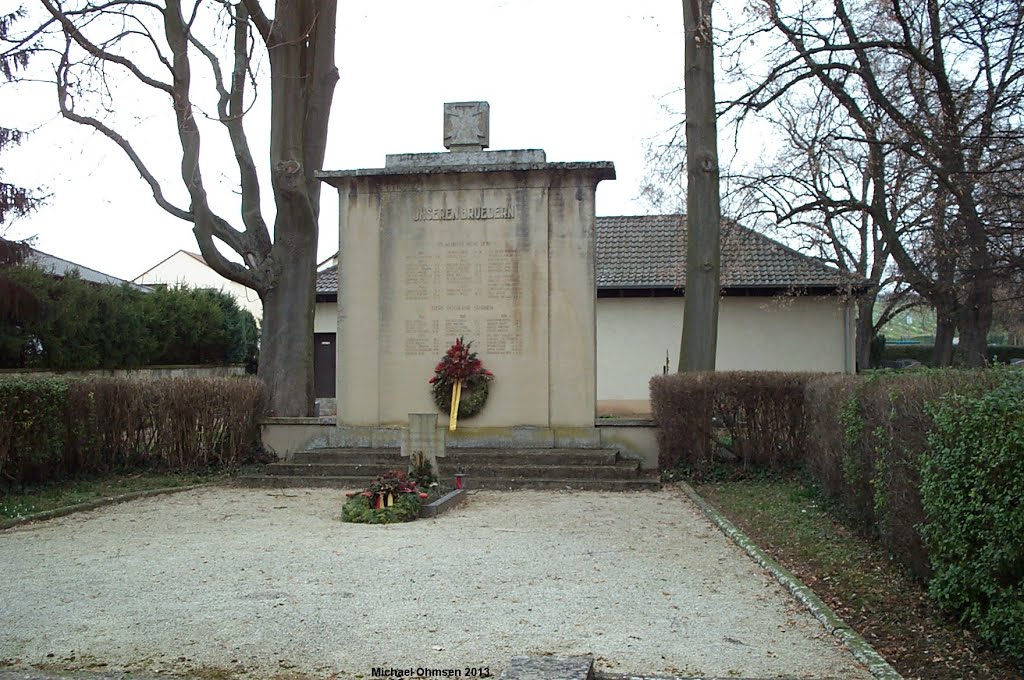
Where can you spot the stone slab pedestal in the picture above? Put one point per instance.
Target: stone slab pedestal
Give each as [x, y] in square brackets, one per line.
[549, 668]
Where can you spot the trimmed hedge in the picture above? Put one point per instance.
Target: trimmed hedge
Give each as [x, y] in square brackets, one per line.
[58, 428]
[753, 417]
[930, 462]
[973, 493]
[1002, 354]
[866, 438]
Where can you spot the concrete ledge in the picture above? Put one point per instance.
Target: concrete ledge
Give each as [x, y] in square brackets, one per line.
[858, 646]
[282, 437]
[98, 503]
[312, 420]
[639, 441]
[601, 169]
[444, 503]
[616, 421]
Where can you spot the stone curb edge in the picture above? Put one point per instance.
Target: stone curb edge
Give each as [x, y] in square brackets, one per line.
[98, 503]
[858, 646]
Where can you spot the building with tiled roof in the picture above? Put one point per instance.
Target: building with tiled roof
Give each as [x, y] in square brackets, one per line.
[58, 267]
[780, 309]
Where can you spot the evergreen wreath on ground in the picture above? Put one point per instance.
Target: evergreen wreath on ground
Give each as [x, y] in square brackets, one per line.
[393, 497]
[459, 363]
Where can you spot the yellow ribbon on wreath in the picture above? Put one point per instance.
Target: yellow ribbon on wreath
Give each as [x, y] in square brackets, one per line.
[456, 398]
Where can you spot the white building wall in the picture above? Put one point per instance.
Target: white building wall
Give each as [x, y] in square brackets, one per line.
[325, 317]
[754, 333]
[182, 268]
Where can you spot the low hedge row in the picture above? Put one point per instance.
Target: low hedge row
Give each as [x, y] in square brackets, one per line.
[754, 418]
[58, 428]
[1002, 354]
[930, 462]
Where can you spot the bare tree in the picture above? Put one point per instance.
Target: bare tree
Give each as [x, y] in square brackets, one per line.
[949, 77]
[107, 56]
[814, 191]
[14, 199]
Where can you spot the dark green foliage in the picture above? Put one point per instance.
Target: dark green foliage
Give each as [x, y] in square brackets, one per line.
[972, 489]
[57, 428]
[75, 325]
[358, 509]
[393, 485]
[32, 424]
[472, 400]
[876, 351]
[866, 436]
[1002, 354]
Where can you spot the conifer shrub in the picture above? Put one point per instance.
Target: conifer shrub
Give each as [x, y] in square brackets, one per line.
[75, 325]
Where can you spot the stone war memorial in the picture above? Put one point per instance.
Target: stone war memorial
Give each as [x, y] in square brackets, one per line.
[468, 272]
[495, 247]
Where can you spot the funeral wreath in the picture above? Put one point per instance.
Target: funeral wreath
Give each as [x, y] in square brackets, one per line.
[460, 366]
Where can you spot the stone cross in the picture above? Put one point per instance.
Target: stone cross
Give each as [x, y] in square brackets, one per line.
[424, 436]
[467, 126]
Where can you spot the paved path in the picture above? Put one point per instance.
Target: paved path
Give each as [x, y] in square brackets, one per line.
[270, 583]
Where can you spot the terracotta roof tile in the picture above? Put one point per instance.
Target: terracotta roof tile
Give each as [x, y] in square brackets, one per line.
[327, 281]
[649, 251]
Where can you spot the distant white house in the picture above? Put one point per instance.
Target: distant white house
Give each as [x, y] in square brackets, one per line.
[191, 269]
[780, 310]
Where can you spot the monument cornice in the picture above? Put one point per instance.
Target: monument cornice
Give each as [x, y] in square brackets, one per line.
[601, 170]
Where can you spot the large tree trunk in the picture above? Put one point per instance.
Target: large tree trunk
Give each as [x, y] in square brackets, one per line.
[301, 45]
[286, 351]
[703, 210]
[976, 320]
[865, 329]
[976, 313]
[945, 329]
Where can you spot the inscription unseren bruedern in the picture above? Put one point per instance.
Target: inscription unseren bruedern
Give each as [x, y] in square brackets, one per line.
[476, 212]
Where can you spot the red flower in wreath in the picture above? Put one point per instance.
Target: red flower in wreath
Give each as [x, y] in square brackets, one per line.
[459, 363]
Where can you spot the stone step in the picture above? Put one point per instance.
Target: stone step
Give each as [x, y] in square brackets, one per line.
[355, 483]
[549, 668]
[619, 470]
[512, 456]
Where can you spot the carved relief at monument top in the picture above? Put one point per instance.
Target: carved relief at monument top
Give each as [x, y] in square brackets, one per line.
[467, 126]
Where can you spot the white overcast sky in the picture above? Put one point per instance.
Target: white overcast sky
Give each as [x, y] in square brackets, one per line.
[583, 80]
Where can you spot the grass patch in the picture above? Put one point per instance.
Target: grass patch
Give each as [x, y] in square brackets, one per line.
[30, 500]
[851, 574]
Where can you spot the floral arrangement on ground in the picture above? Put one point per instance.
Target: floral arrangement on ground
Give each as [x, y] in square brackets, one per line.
[393, 497]
[460, 364]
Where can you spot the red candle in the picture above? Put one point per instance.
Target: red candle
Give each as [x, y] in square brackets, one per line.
[458, 481]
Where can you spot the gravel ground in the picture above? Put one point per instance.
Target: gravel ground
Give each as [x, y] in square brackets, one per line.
[272, 582]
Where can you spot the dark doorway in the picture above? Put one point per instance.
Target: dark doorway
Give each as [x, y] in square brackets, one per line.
[324, 358]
